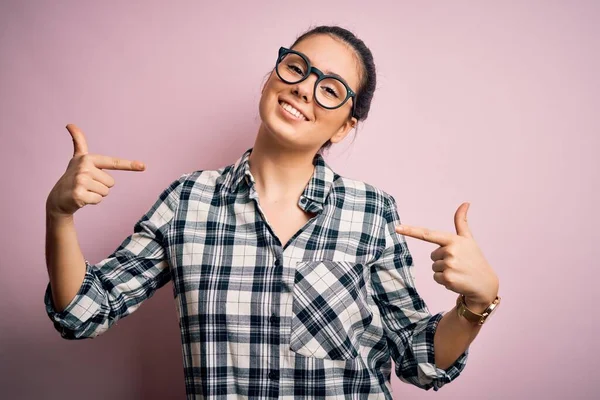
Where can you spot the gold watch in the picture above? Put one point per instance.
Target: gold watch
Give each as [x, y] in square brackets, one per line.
[479, 319]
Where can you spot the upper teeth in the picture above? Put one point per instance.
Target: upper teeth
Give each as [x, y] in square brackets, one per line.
[292, 110]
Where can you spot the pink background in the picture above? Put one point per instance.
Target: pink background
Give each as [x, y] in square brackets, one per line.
[492, 103]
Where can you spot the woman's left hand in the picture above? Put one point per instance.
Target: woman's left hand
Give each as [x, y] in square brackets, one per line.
[459, 264]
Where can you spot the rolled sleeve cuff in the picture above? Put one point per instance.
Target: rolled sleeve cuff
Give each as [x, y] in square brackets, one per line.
[428, 374]
[81, 309]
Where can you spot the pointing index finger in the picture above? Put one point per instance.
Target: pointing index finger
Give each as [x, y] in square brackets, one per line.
[428, 235]
[115, 163]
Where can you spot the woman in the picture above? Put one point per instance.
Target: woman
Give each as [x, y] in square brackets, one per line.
[289, 280]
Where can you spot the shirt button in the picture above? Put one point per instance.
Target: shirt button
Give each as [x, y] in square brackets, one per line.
[273, 375]
[274, 318]
[277, 262]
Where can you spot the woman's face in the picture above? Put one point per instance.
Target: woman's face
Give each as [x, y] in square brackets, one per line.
[318, 124]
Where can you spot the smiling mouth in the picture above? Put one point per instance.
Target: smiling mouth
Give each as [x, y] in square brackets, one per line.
[292, 111]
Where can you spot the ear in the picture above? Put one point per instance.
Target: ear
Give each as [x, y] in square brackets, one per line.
[344, 130]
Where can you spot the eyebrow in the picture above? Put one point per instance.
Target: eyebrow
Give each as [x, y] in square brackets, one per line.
[328, 72]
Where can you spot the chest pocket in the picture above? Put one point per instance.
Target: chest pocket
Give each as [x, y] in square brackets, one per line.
[329, 309]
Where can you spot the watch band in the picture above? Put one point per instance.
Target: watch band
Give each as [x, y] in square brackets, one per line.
[471, 316]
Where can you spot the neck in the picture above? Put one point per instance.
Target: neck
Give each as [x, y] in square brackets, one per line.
[280, 173]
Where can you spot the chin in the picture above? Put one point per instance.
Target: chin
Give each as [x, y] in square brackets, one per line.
[281, 131]
[278, 127]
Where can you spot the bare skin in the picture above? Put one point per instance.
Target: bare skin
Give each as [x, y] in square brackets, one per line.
[282, 157]
[460, 266]
[84, 182]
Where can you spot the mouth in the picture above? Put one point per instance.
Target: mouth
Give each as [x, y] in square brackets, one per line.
[292, 111]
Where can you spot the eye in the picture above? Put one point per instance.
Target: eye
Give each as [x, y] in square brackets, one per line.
[330, 91]
[296, 69]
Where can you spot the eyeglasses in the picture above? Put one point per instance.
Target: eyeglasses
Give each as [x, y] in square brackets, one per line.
[330, 91]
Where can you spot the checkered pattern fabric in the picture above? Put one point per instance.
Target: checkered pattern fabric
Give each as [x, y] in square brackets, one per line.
[321, 316]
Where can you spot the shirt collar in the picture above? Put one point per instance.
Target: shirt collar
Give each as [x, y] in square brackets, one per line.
[314, 194]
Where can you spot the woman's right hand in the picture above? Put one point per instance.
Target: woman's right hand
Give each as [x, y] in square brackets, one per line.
[84, 182]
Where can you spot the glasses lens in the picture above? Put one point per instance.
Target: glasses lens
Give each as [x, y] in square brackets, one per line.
[292, 68]
[331, 92]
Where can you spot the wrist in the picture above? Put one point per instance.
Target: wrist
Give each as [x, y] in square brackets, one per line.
[54, 217]
[477, 306]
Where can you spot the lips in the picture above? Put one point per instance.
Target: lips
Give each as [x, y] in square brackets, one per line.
[293, 110]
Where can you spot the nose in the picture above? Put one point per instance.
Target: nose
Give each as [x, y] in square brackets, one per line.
[305, 88]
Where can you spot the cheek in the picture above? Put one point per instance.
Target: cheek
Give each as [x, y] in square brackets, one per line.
[269, 94]
[263, 107]
[332, 119]
[265, 98]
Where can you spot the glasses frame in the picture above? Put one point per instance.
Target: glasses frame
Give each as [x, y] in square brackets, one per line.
[320, 76]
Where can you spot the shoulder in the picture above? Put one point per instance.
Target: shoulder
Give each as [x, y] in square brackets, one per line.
[205, 178]
[357, 193]
[205, 182]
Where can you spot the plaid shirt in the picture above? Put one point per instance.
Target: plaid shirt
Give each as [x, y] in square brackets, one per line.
[321, 316]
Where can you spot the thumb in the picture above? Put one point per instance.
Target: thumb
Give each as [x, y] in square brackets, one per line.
[460, 221]
[79, 142]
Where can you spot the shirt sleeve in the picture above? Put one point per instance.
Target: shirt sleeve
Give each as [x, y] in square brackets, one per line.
[407, 322]
[116, 286]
